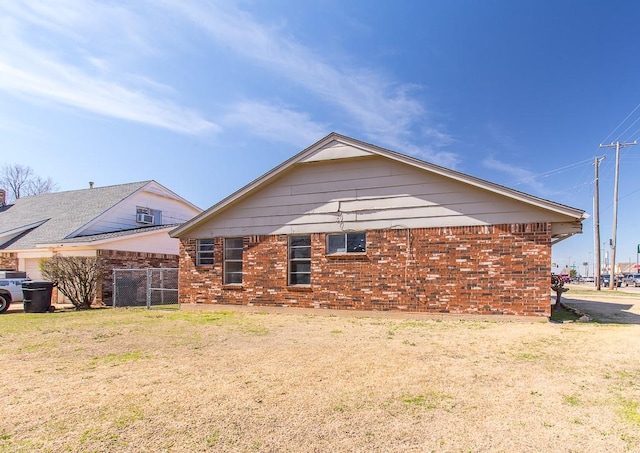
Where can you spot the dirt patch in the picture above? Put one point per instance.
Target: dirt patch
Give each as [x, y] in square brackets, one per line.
[138, 380]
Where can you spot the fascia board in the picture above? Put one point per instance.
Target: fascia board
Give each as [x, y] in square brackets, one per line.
[89, 241]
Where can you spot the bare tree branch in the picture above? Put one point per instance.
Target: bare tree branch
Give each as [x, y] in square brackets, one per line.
[76, 276]
[39, 185]
[20, 181]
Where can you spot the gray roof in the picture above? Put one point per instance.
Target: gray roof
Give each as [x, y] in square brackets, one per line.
[117, 234]
[62, 213]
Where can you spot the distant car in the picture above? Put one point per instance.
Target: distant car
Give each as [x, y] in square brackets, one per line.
[605, 280]
[589, 279]
[633, 280]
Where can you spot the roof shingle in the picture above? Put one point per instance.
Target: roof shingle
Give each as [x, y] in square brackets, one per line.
[62, 213]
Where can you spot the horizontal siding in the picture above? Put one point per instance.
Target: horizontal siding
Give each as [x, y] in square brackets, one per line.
[123, 215]
[337, 151]
[272, 226]
[159, 242]
[363, 194]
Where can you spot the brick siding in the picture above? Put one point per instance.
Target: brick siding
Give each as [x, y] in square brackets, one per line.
[9, 261]
[497, 269]
[109, 260]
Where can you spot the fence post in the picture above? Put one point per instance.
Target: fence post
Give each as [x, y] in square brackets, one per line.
[148, 289]
[115, 290]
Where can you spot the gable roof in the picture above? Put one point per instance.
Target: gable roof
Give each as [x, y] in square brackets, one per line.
[53, 217]
[329, 148]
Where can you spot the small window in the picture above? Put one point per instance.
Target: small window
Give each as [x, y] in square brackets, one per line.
[346, 243]
[233, 248]
[299, 260]
[204, 252]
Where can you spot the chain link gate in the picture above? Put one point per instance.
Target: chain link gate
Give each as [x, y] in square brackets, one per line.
[151, 288]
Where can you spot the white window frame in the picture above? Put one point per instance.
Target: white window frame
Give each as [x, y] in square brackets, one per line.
[291, 261]
[346, 237]
[227, 280]
[205, 254]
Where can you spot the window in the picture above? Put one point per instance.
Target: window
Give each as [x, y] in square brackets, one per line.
[233, 261]
[346, 243]
[299, 260]
[204, 252]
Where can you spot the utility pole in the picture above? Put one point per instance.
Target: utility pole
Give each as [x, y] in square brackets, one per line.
[596, 220]
[617, 146]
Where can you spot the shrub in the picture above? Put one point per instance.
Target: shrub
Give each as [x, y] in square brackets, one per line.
[76, 277]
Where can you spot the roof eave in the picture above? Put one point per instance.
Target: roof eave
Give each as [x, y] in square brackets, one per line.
[251, 187]
[90, 242]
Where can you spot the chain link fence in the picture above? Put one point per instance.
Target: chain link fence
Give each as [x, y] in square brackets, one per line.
[151, 288]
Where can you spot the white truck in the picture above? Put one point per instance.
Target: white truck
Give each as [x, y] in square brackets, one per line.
[11, 288]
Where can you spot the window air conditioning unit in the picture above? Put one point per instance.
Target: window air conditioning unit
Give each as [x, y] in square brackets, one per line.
[144, 218]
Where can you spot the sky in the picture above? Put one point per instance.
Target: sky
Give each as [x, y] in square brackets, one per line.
[205, 96]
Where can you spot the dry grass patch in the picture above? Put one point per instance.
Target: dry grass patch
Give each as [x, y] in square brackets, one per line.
[134, 380]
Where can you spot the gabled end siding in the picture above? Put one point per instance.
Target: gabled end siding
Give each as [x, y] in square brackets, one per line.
[498, 269]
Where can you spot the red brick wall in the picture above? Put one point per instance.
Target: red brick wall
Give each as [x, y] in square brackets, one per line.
[498, 269]
[9, 261]
[115, 259]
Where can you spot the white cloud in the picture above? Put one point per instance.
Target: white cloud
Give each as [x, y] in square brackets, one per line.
[275, 123]
[521, 175]
[81, 79]
[89, 63]
[106, 27]
[382, 108]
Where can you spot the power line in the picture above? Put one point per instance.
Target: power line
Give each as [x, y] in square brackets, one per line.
[630, 126]
[621, 123]
[556, 171]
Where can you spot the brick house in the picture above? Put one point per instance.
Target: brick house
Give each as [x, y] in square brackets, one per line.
[124, 226]
[349, 225]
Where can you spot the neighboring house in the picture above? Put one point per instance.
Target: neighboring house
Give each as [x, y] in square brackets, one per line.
[125, 226]
[349, 225]
[626, 268]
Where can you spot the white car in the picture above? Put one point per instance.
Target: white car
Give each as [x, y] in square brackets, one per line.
[11, 288]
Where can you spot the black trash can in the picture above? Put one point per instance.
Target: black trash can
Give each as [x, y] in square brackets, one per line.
[37, 296]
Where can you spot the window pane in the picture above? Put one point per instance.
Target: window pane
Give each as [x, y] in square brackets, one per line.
[302, 252]
[233, 249]
[233, 243]
[205, 245]
[300, 279]
[299, 241]
[204, 252]
[233, 266]
[231, 278]
[299, 260]
[233, 254]
[205, 258]
[336, 243]
[300, 266]
[356, 242]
